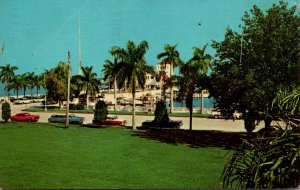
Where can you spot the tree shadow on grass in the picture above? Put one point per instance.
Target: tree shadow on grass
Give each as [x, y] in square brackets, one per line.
[193, 138]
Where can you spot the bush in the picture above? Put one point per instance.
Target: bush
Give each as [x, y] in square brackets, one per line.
[161, 113]
[100, 111]
[6, 112]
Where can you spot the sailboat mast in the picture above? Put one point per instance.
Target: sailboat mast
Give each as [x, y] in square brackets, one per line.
[79, 48]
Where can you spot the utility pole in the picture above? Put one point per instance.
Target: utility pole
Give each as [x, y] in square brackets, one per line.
[68, 92]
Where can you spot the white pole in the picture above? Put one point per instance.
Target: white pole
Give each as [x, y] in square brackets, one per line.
[68, 93]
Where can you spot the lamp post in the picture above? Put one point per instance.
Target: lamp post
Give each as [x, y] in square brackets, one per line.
[68, 92]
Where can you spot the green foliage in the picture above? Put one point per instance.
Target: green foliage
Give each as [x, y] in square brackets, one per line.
[100, 111]
[161, 113]
[265, 163]
[6, 75]
[6, 112]
[252, 66]
[270, 162]
[56, 83]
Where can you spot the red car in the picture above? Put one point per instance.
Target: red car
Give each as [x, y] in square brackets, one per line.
[113, 121]
[24, 116]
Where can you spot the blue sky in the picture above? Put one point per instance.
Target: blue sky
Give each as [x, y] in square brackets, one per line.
[38, 33]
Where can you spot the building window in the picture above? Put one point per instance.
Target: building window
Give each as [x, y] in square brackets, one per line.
[152, 77]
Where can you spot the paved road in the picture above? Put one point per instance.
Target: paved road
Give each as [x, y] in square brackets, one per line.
[198, 123]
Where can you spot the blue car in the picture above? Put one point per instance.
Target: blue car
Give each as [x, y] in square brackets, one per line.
[55, 118]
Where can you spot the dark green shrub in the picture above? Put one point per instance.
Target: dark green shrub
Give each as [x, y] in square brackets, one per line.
[6, 112]
[161, 113]
[100, 111]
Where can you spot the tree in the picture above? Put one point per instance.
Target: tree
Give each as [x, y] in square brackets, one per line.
[100, 112]
[132, 68]
[6, 75]
[171, 56]
[31, 81]
[56, 83]
[24, 83]
[76, 85]
[90, 82]
[17, 84]
[109, 73]
[269, 161]
[203, 61]
[6, 112]
[251, 67]
[193, 72]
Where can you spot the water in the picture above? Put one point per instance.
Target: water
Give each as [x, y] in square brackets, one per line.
[208, 103]
[21, 92]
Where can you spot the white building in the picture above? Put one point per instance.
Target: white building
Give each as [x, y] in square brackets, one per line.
[151, 82]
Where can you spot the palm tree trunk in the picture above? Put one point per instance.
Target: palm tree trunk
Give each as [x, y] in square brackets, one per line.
[171, 89]
[191, 117]
[115, 93]
[8, 93]
[171, 101]
[202, 102]
[133, 107]
[87, 99]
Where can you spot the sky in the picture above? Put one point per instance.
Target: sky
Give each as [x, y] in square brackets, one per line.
[37, 34]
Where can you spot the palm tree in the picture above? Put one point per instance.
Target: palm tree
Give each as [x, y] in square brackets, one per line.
[132, 68]
[90, 82]
[109, 73]
[171, 56]
[76, 85]
[17, 84]
[24, 83]
[204, 63]
[6, 75]
[31, 81]
[192, 72]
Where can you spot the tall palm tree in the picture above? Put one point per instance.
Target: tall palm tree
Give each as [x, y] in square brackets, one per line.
[192, 72]
[203, 61]
[31, 81]
[171, 56]
[108, 71]
[90, 82]
[24, 83]
[17, 84]
[6, 75]
[132, 68]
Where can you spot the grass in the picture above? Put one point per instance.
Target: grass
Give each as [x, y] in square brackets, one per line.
[38, 156]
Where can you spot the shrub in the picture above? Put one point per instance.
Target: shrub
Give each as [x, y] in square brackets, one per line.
[100, 111]
[161, 113]
[6, 112]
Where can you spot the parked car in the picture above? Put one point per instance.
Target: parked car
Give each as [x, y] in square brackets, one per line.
[22, 101]
[171, 124]
[218, 115]
[114, 120]
[55, 118]
[24, 116]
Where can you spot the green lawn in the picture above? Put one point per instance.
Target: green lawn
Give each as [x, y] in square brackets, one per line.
[34, 155]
